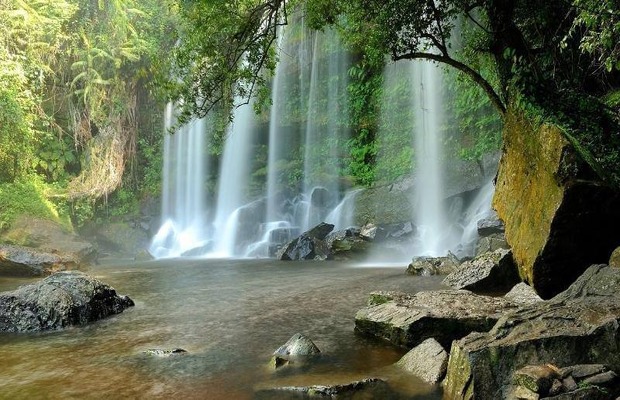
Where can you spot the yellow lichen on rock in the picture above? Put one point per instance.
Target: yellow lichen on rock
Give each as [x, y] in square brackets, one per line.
[527, 192]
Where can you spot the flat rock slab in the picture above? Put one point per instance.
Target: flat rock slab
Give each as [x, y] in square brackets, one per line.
[58, 301]
[372, 388]
[24, 261]
[487, 273]
[579, 326]
[446, 315]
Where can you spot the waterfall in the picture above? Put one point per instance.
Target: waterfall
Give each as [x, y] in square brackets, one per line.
[235, 170]
[428, 140]
[184, 206]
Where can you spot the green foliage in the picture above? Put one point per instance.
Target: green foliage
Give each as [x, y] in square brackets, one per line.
[598, 24]
[26, 195]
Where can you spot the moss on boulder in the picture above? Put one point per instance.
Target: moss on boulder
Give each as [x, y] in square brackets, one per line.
[558, 219]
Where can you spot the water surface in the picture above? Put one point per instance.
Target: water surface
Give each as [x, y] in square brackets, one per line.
[230, 315]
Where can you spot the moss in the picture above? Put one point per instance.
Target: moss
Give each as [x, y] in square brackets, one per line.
[528, 193]
[27, 197]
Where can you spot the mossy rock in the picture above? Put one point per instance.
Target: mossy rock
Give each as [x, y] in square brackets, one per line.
[557, 222]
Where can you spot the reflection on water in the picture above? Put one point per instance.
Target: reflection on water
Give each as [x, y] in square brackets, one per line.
[229, 314]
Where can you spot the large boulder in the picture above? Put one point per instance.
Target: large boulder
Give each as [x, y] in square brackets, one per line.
[58, 301]
[25, 261]
[488, 273]
[445, 315]
[309, 246]
[579, 326]
[558, 219]
[47, 236]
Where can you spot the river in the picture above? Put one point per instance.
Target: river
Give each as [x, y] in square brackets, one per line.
[230, 315]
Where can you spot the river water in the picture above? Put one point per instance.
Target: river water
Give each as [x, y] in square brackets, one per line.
[230, 315]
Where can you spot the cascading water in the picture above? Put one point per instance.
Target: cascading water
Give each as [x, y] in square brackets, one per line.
[444, 219]
[428, 138]
[302, 182]
[184, 207]
[235, 170]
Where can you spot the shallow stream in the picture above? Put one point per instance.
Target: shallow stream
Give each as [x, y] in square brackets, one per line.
[230, 315]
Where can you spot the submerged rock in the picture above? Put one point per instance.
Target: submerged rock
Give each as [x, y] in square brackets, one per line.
[163, 353]
[297, 345]
[487, 273]
[58, 301]
[428, 361]
[372, 388]
[579, 326]
[24, 261]
[445, 315]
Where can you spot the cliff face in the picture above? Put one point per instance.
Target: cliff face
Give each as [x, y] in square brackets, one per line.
[558, 223]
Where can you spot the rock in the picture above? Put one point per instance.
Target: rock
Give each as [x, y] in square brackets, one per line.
[58, 301]
[537, 378]
[368, 232]
[427, 361]
[347, 244]
[522, 294]
[118, 238]
[582, 371]
[426, 266]
[614, 260]
[491, 272]
[556, 224]
[321, 197]
[380, 297]
[163, 353]
[445, 315]
[47, 236]
[579, 326]
[372, 388]
[276, 362]
[491, 243]
[297, 345]
[490, 225]
[24, 261]
[604, 379]
[309, 246]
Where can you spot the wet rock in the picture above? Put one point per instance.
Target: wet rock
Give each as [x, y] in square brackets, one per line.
[380, 297]
[309, 246]
[522, 294]
[298, 345]
[163, 353]
[579, 326]
[321, 197]
[428, 361]
[372, 388]
[369, 232]
[276, 362]
[556, 224]
[490, 272]
[445, 315]
[426, 266]
[24, 261]
[58, 301]
[347, 244]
